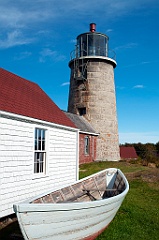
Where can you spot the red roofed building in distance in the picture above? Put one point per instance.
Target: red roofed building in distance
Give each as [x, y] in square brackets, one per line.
[127, 153]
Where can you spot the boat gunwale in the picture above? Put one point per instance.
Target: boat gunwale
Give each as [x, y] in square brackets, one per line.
[28, 206]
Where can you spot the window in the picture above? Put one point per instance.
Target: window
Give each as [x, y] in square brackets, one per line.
[40, 151]
[86, 145]
[82, 111]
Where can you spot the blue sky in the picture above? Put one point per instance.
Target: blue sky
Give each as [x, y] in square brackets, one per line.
[36, 38]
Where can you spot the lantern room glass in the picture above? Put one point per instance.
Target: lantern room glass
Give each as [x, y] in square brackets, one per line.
[92, 44]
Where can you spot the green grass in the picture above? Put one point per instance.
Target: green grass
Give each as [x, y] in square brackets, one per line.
[138, 217]
[90, 168]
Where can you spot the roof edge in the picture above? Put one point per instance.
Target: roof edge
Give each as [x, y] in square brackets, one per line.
[15, 116]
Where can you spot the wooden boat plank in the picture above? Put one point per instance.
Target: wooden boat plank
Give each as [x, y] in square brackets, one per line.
[89, 184]
[35, 218]
[39, 200]
[78, 188]
[67, 193]
[81, 234]
[72, 193]
[57, 197]
[47, 199]
[78, 198]
[37, 231]
[101, 180]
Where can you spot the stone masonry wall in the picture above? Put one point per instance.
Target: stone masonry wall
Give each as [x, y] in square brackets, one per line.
[97, 94]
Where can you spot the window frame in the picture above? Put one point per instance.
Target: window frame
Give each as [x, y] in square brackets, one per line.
[87, 145]
[40, 139]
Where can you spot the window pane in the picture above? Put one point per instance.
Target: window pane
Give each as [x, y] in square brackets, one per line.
[39, 134]
[43, 145]
[36, 162]
[86, 145]
[41, 163]
[36, 133]
[39, 145]
[43, 134]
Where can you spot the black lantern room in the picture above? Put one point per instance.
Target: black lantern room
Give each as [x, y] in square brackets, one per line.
[92, 43]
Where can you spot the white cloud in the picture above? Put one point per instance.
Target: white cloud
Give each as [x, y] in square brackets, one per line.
[109, 30]
[22, 13]
[138, 64]
[23, 55]
[127, 46]
[142, 63]
[120, 87]
[139, 86]
[48, 54]
[65, 84]
[14, 38]
[135, 137]
[33, 17]
[73, 41]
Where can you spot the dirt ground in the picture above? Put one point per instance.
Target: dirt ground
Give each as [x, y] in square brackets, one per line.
[150, 175]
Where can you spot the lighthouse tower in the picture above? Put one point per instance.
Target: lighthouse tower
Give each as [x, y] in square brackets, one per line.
[92, 90]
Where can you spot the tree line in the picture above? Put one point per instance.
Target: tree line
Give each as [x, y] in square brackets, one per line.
[148, 151]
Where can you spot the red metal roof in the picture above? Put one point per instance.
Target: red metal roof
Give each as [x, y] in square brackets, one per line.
[23, 97]
[127, 152]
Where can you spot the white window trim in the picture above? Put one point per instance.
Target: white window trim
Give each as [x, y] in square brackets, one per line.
[45, 173]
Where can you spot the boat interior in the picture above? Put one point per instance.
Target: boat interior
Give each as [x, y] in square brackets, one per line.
[91, 189]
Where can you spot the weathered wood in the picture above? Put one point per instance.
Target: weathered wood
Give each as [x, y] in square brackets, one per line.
[100, 189]
[75, 198]
[90, 187]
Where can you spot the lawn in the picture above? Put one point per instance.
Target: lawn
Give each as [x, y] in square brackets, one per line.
[138, 217]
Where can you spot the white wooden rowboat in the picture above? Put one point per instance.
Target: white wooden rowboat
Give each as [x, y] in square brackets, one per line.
[80, 211]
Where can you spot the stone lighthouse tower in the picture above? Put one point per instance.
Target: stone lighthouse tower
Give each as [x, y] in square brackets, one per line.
[92, 90]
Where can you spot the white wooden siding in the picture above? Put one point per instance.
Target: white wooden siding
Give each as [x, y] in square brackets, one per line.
[17, 178]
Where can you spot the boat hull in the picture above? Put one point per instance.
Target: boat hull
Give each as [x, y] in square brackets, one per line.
[94, 236]
[69, 221]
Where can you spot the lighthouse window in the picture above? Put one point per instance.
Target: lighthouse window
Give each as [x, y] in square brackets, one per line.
[86, 145]
[82, 111]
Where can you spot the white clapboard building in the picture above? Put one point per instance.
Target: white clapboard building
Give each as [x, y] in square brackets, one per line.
[38, 142]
